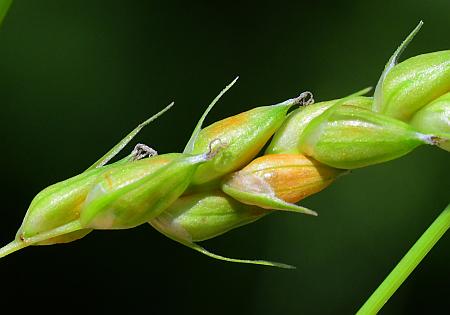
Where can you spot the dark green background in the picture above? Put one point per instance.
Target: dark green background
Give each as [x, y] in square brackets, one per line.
[75, 76]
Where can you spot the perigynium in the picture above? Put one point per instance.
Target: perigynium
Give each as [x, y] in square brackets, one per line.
[278, 181]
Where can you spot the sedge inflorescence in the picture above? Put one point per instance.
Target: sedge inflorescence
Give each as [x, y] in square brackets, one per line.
[223, 180]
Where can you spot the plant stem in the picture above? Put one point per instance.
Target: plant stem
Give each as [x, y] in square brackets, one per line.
[11, 248]
[410, 261]
[60, 230]
[4, 6]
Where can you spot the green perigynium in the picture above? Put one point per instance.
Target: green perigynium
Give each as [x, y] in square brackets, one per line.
[202, 216]
[278, 181]
[244, 135]
[131, 195]
[353, 137]
[414, 83]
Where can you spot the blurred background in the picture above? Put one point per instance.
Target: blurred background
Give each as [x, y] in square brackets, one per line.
[76, 76]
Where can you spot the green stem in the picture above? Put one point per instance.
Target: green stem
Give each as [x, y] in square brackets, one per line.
[4, 6]
[407, 264]
[19, 244]
[12, 247]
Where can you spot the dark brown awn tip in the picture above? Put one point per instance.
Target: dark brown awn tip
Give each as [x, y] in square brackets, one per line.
[304, 99]
[435, 140]
[141, 151]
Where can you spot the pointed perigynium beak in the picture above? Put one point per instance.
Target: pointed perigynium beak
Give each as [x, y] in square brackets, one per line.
[279, 178]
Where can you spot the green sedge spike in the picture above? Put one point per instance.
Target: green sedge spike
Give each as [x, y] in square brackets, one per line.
[434, 118]
[378, 94]
[287, 138]
[351, 137]
[278, 181]
[203, 216]
[244, 135]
